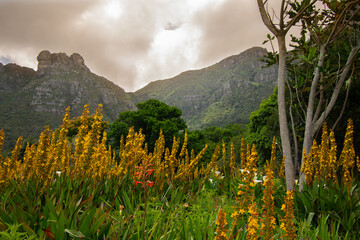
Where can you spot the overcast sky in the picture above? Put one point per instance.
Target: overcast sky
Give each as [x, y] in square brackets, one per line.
[130, 42]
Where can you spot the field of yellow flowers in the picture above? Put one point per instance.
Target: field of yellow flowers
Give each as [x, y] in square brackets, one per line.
[70, 188]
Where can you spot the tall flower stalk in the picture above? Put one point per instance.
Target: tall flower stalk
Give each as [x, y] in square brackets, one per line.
[287, 222]
[221, 223]
[268, 221]
[143, 179]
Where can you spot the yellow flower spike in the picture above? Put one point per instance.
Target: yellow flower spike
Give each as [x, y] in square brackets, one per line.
[2, 171]
[251, 163]
[287, 222]
[82, 130]
[14, 166]
[273, 155]
[158, 153]
[246, 189]
[333, 157]
[27, 161]
[232, 160]
[223, 156]
[63, 148]
[2, 136]
[212, 166]
[281, 168]
[268, 214]
[307, 168]
[196, 173]
[184, 146]
[347, 179]
[221, 222]
[194, 162]
[253, 223]
[324, 158]
[243, 153]
[315, 159]
[347, 157]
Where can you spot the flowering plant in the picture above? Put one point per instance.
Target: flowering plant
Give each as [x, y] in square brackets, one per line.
[144, 173]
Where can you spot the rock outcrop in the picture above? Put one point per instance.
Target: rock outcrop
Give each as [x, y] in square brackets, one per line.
[30, 100]
[56, 63]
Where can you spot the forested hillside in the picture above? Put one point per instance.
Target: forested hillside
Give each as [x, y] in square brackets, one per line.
[224, 93]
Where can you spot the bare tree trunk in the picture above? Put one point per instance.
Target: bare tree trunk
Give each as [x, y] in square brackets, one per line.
[283, 123]
[311, 102]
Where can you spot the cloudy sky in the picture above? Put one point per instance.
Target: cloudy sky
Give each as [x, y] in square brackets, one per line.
[130, 42]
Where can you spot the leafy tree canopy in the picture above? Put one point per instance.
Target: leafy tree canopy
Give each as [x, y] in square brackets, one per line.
[151, 116]
[264, 124]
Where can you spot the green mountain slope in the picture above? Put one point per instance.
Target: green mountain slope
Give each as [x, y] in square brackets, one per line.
[224, 93]
[30, 100]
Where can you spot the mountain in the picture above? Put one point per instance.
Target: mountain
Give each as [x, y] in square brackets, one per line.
[30, 99]
[224, 93]
[221, 94]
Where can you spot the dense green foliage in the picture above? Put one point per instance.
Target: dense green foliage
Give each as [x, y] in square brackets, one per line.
[151, 117]
[264, 124]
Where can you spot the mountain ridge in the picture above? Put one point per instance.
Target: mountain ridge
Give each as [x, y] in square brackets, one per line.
[212, 93]
[30, 100]
[223, 93]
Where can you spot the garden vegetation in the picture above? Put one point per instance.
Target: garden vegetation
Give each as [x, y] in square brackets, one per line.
[76, 187]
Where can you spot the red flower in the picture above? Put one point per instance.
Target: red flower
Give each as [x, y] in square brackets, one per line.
[137, 174]
[148, 172]
[150, 183]
[137, 182]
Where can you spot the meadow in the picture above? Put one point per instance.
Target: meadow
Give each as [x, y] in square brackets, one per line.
[78, 188]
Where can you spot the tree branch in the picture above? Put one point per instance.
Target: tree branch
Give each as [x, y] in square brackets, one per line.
[321, 101]
[266, 18]
[296, 153]
[336, 91]
[298, 15]
[345, 101]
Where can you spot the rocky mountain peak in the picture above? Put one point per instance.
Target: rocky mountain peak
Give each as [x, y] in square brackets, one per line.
[55, 63]
[254, 54]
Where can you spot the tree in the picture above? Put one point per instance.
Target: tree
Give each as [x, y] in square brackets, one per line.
[326, 28]
[151, 116]
[313, 78]
[264, 124]
[280, 30]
